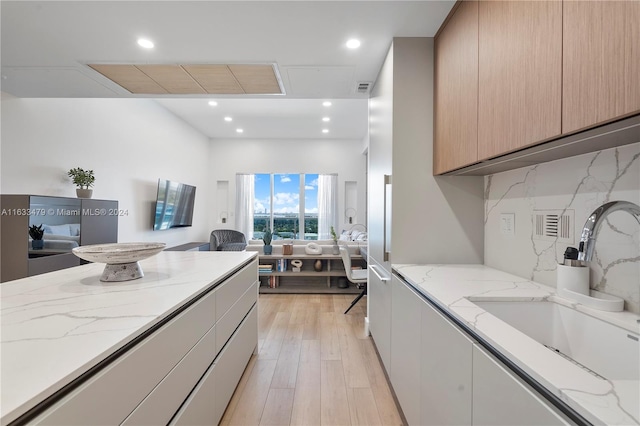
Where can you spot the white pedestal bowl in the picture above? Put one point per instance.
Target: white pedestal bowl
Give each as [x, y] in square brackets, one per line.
[121, 258]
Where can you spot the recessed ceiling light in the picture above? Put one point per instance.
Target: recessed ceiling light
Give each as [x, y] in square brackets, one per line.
[146, 43]
[239, 130]
[326, 103]
[326, 119]
[213, 103]
[325, 130]
[353, 43]
[227, 119]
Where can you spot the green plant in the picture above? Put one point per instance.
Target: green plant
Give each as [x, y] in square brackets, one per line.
[83, 179]
[266, 238]
[334, 236]
[36, 232]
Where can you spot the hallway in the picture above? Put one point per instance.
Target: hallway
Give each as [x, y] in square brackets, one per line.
[314, 366]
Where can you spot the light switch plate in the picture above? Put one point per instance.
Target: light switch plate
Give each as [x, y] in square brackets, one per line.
[508, 224]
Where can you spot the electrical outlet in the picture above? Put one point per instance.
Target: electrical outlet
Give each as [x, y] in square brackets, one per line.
[508, 224]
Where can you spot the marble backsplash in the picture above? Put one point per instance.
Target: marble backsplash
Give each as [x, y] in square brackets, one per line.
[575, 186]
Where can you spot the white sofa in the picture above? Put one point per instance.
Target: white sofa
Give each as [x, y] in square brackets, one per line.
[61, 237]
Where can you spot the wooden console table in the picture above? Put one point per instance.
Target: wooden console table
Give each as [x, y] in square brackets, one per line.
[308, 280]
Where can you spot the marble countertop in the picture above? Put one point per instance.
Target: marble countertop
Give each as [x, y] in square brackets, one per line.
[57, 325]
[454, 287]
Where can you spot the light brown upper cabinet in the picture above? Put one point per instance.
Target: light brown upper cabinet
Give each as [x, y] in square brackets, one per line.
[520, 74]
[545, 69]
[456, 90]
[601, 62]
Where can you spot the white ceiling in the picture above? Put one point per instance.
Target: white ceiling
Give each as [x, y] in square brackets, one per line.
[47, 44]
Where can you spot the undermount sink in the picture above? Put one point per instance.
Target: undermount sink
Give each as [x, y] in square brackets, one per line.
[607, 350]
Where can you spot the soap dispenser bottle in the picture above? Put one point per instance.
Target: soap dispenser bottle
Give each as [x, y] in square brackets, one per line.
[572, 274]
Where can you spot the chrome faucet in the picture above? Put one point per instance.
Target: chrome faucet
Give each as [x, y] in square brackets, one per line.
[594, 222]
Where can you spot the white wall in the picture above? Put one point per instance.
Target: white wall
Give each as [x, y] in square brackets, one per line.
[343, 157]
[438, 219]
[129, 143]
[578, 185]
[434, 219]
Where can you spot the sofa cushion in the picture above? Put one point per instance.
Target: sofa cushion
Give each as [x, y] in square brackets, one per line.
[58, 230]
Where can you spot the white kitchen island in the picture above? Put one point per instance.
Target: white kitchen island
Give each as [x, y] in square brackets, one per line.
[170, 346]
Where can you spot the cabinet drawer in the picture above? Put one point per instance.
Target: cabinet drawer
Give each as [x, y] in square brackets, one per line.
[493, 384]
[207, 402]
[229, 321]
[166, 398]
[232, 289]
[233, 360]
[115, 391]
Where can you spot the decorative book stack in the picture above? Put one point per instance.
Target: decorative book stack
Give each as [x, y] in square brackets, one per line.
[273, 281]
[281, 265]
[265, 269]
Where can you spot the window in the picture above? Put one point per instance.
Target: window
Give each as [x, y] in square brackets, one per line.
[288, 204]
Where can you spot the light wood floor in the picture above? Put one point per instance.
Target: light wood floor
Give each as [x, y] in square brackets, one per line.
[314, 366]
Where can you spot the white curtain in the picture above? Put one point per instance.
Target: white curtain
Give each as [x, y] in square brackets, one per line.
[327, 205]
[245, 194]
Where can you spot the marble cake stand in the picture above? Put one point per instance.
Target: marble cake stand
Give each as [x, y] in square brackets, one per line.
[121, 258]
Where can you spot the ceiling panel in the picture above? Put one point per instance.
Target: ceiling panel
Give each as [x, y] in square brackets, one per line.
[256, 79]
[192, 79]
[215, 78]
[173, 78]
[129, 77]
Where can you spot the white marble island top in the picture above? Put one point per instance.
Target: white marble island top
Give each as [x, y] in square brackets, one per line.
[454, 287]
[57, 325]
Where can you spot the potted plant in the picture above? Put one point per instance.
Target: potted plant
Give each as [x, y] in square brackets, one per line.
[36, 233]
[84, 180]
[266, 239]
[334, 237]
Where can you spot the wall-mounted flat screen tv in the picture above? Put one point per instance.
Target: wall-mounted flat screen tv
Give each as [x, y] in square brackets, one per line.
[174, 205]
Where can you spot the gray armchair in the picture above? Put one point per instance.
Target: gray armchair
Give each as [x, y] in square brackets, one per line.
[227, 240]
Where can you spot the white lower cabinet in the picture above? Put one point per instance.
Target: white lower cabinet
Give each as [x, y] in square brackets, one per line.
[379, 294]
[233, 360]
[445, 375]
[501, 398]
[442, 376]
[163, 402]
[405, 349]
[209, 399]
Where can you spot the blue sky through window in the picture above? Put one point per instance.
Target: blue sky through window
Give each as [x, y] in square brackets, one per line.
[262, 202]
[286, 194]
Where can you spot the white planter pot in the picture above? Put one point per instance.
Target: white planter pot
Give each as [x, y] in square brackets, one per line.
[84, 193]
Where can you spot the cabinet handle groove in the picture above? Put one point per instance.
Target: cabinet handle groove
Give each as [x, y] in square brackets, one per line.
[374, 270]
